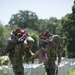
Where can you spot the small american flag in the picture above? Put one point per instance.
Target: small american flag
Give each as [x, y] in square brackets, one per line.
[43, 57]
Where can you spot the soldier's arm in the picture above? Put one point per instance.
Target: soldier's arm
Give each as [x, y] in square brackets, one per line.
[36, 53]
[59, 53]
[28, 53]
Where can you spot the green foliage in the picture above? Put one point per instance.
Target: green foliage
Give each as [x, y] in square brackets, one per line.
[2, 37]
[31, 31]
[73, 8]
[68, 28]
[28, 19]
[50, 24]
[24, 19]
[4, 60]
[5, 72]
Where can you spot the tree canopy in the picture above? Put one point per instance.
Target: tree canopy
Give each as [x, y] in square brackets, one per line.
[68, 24]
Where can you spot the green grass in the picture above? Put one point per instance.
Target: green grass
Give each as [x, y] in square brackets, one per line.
[72, 72]
[5, 72]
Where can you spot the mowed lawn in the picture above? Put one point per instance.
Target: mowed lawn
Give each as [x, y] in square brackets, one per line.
[72, 72]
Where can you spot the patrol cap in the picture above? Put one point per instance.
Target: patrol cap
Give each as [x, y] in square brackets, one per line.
[29, 40]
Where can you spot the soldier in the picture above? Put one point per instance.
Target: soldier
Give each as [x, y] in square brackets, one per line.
[51, 45]
[16, 58]
[19, 44]
[17, 35]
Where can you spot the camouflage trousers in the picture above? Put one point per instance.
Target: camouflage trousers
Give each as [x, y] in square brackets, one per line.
[50, 67]
[16, 60]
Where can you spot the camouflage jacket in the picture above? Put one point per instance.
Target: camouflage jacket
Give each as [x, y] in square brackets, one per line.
[53, 49]
[52, 46]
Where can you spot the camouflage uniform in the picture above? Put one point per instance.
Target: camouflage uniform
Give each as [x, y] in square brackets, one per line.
[16, 60]
[16, 49]
[16, 56]
[52, 47]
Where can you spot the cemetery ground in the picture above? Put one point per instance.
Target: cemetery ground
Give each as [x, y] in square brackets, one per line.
[67, 67]
[71, 73]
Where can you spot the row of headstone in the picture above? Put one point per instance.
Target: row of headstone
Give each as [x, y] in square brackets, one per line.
[1, 71]
[64, 69]
[38, 69]
[31, 69]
